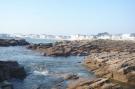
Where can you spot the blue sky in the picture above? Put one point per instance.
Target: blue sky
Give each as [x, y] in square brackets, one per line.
[67, 16]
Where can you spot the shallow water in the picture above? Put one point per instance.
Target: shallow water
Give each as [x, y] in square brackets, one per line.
[40, 40]
[41, 69]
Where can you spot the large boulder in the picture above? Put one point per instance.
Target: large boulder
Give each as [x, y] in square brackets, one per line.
[58, 51]
[11, 69]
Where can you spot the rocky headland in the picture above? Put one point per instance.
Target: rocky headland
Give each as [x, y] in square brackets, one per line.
[83, 48]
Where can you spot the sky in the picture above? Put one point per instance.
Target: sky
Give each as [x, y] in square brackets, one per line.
[67, 16]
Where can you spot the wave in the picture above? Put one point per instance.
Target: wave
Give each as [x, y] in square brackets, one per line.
[44, 72]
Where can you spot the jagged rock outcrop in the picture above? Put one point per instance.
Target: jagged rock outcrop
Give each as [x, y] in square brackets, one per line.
[83, 48]
[13, 42]
[11, 69]
[115, 65]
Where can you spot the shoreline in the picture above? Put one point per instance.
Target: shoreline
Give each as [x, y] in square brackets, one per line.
[88, 48]
[106, 58]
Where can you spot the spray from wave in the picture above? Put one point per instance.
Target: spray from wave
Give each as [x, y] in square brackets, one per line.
[40, 70]
[43, 72]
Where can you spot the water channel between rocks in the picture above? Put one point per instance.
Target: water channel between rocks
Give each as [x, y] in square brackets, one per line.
[41, 69]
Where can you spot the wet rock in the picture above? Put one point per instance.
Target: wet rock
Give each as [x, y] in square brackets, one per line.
[6, 85]
[21, 42]
[11, 69]
[55, 84]
[71, 77]
[13, 42]
[79, 62]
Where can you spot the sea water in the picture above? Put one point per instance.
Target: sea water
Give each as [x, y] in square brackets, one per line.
[43, 70]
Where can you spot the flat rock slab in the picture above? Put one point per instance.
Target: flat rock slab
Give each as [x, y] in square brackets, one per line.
[115, 65]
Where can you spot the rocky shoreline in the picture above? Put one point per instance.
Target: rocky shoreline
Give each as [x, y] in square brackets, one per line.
[83, 48]
[99, 83]
[11, 69]
[115, 65]
[108, 59]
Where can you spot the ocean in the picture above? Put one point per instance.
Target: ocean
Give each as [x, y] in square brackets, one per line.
[41, 70]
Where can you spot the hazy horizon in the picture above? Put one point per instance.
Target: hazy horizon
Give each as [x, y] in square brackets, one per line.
[67, 17]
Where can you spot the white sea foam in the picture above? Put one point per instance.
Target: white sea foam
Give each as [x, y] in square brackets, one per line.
[44, 72]
[104, 35]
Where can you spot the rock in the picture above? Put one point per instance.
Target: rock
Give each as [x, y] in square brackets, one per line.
[13, 42]
[47, 45]
[100, 83]
[79, 62]
[11, 69]
[18, 72]
[83, 48]
[58, 83]
[119, 66]
[6, 85]
[32, 46]
[106, 58]
[111, 86]
[58, 51]
[21, 42]
[71, 77]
